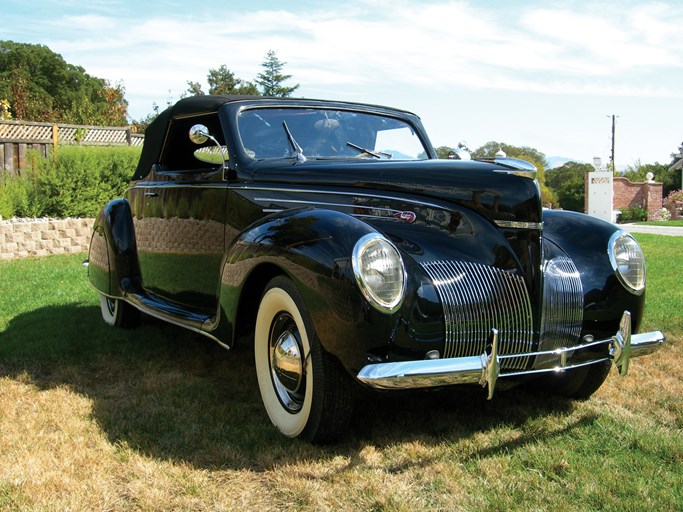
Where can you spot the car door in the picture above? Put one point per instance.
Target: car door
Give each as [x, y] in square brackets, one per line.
[179, 217]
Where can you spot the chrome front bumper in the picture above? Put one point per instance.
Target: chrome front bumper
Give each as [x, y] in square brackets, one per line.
[485, 369]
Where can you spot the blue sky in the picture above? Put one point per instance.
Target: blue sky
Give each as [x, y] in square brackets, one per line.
[528, 73]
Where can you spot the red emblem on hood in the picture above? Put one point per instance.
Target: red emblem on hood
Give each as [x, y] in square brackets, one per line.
[405, 216]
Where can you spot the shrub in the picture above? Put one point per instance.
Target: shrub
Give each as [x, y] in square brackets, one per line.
[673, 203]
[19, 195]
[633, 214]
[664, 214]
[674, 197]
[77, 183]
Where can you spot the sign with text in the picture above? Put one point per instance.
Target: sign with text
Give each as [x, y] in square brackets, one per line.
[600, 194]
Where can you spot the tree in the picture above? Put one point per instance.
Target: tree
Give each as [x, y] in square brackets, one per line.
[567, 182]
[531, 155]
[271, 79]
[223, 81]
[109, 108]
[663, 173]
[442, 151]
[41, 86]
[194, 88]
[490, 149]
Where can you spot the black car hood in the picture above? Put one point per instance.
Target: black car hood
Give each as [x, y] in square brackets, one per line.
[492, 190]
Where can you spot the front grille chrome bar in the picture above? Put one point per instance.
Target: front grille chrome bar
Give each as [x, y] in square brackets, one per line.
[485, 368]
[476, 298]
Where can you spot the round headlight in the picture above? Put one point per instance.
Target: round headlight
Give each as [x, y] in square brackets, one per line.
[627, 261]
[379, 272]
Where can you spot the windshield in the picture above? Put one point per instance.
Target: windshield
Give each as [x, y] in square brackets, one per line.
[325, 133]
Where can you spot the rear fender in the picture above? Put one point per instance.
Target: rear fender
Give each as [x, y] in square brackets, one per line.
[114, 269]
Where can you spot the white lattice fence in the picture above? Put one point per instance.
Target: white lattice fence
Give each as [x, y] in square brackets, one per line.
[32, 133]
[16, 137]
[14, 131]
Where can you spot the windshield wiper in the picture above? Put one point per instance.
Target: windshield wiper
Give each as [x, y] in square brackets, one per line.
[298, 152]
[376, 154]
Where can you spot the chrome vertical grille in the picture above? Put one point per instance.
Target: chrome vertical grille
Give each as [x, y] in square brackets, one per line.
[562, 314]
[476, 298]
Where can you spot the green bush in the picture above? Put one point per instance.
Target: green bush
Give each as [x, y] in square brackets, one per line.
[77, 183]
[633, 214]
[17, 196]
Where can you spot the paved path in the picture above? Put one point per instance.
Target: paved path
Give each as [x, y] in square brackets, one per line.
[654, 230]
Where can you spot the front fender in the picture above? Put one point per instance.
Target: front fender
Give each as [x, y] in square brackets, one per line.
[585, 239]
[114, 268]
[313, 248]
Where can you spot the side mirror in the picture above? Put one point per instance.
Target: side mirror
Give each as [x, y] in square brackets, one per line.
[199, 134]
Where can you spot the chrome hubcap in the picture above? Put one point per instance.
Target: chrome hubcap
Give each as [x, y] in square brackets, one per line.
[287, 363]
[111, 306]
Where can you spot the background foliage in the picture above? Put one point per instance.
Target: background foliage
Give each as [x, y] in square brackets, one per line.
[531, 155]
[270, 82]
[76, 182]
[39, 85]
[663, 173]
[567, 181]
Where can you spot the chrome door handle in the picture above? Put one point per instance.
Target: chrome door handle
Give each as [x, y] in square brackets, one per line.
[151, 194]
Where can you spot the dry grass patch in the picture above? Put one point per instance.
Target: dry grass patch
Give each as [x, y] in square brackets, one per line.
[158, 419]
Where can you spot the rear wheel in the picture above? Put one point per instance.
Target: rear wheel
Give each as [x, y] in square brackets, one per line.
[118, 313]
[304, 391]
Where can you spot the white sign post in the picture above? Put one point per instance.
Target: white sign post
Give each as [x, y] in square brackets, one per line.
[600, 194]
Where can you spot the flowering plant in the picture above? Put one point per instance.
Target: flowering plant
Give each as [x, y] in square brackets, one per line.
[5, 113]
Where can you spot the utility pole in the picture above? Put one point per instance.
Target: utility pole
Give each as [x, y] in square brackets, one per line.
[612, 159]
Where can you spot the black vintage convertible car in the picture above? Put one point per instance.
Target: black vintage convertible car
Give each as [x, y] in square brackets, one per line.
[331, 235]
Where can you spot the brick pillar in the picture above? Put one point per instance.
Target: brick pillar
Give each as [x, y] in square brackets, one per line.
[653, 200]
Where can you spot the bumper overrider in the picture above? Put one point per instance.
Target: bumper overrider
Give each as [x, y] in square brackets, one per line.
[485, 369]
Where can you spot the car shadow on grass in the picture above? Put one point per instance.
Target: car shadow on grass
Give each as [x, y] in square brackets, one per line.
[175, 395]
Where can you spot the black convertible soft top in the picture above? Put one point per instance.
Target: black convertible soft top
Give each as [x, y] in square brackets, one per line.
[156, 131]
[207, 104]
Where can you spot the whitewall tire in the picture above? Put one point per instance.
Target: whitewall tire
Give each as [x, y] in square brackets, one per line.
[303, 390]
[118, 313]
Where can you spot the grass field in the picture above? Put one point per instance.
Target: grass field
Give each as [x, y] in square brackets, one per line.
[156, 418]
[670, 223]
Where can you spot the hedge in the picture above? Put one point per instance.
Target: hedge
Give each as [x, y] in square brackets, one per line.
[76, 182]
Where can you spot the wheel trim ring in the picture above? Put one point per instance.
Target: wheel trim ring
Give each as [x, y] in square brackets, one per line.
[289, 424]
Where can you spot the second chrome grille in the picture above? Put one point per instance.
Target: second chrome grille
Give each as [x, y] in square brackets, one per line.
[562, 307]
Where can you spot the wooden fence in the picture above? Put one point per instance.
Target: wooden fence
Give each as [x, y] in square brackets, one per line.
[19, 137]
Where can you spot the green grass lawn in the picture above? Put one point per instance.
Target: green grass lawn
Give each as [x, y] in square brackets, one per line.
[158, 418]
[671, 223]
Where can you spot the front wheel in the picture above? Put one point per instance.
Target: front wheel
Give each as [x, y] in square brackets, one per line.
[578, 383]
[303, 390]
[118, 313]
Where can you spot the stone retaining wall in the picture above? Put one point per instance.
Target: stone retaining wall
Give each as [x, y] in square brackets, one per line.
[20, 238]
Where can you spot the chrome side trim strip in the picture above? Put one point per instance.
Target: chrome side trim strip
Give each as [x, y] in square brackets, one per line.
[196, 326]
[391, 211]
[247, 188]
[500, 223]
[512, 224]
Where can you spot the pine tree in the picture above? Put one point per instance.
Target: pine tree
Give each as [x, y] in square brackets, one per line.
[271, 78]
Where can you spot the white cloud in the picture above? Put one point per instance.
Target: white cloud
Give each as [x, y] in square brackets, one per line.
[354, 50]
[444, 43]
